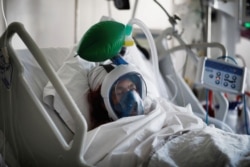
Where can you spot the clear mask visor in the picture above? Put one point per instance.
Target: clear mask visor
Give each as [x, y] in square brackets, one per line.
[127, 95]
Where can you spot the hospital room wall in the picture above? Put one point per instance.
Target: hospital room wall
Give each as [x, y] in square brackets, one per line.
[63, 22]
[50, 23]
[147, 11]
[53, 23]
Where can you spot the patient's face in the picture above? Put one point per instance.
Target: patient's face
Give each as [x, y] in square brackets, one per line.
[126, 99]
[121, 88]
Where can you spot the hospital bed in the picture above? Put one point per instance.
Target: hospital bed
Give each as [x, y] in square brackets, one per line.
[31, 127]
[37, 134]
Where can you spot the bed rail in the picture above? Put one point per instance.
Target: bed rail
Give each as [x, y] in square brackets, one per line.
[76, 148]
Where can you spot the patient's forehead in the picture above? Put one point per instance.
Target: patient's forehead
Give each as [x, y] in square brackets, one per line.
[124, 83]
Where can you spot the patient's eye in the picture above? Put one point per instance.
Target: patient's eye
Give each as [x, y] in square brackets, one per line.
[132, 86]
[124, 86]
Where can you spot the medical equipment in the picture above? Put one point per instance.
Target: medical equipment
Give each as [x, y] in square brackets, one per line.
[109, 88]
[185, 96]
[245, 13]
[154, 55]
[226, 24]
[122, 4]
[181, 97]
[222, 111]
[222, 76]
[103, 41]
[166, 69]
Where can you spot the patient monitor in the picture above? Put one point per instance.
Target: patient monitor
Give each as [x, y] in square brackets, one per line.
[222, 76]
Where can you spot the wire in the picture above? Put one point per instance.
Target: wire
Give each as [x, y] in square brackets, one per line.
[175, 87]
[162, 8]
[242, 59]
[109, 8]
[246, 114]
[5, 23]
[171, 19]
[135, 9]
[228, 57]
[76, 20]
[206, 91]
[3, 13]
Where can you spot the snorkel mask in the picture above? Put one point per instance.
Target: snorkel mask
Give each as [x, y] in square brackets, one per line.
[123, 90]
[104, 41]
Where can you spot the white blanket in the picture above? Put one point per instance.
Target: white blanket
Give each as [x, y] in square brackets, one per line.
[208, 147]
[146, 140]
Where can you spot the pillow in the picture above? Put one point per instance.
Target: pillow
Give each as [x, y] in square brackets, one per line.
[73, 74]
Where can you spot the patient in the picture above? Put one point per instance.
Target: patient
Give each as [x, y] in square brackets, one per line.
[115, 92]
[161, 133]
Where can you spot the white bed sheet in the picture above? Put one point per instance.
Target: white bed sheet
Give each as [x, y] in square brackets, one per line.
[207, 147]
[55, 57]
[73, 73]
[130, 141]
[146, 141]
[34, 75]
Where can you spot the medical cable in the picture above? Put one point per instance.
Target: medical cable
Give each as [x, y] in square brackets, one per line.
[154, 56]
[5, 21]
[76, 20]
[175, 87]
[109, 8]
[228, 57]
[246, 114]
[4, 48]
[180, 90]
[242, 59]
[184, 66]
[3, 13]
[207, 108]
[171, 19]
[135, 8]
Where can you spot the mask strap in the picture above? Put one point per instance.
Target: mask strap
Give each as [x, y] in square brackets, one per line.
[108, 67]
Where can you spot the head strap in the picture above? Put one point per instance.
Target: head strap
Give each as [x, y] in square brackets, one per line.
[108, 67]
